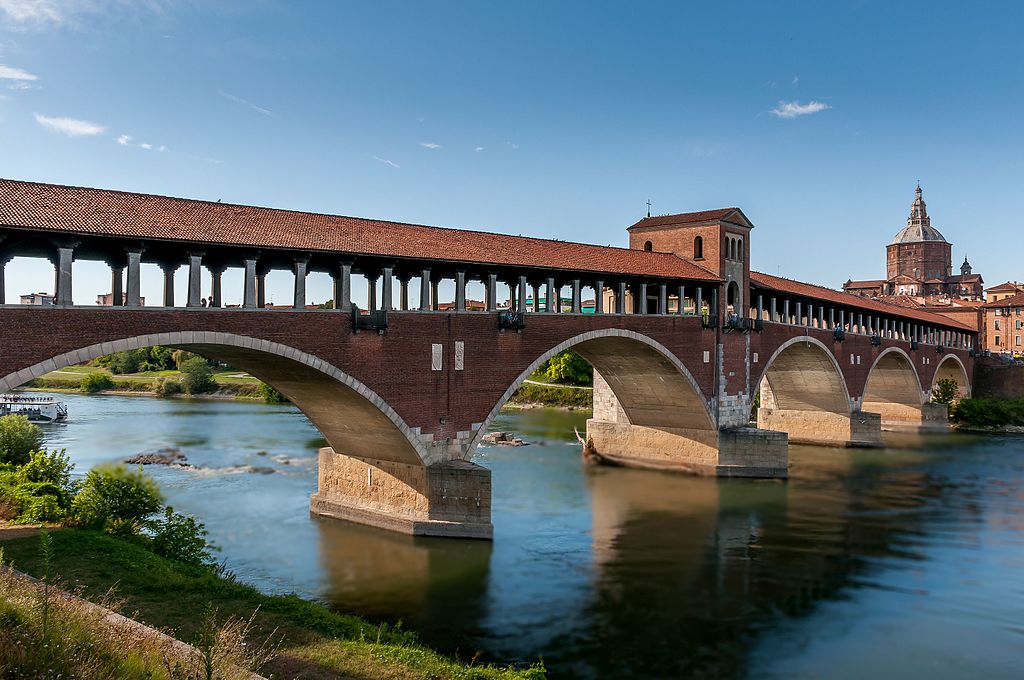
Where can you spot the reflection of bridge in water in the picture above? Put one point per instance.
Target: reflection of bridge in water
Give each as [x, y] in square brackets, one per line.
[683, 337]
[683, 576]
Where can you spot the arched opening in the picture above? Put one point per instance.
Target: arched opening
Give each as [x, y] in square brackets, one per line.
[802, 392]
[648, 408]
[648, 246]
[698, 248]
[951, 368]
[732, 297]
[893, 390]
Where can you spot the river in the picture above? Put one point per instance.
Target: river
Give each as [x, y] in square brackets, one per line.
[903, 562]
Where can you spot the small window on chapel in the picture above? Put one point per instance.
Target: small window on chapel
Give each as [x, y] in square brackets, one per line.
[698, 248]
[648, 246]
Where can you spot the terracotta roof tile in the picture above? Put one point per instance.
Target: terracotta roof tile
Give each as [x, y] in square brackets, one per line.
[1004, 286]
[875, 283]
[792, 287]
[1012, 301]
[685, 218]
[77, 210]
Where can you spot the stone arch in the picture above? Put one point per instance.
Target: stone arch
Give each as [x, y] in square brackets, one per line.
[666, 398]
[951, 366]
[352, 417]
[803, 375]
[893, 389]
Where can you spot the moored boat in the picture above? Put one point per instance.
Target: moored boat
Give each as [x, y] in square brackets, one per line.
[36, 409]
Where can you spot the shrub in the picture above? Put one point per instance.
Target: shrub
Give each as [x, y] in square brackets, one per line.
[182, 538]
[994, 413]
[197, 376]
[117, 500]
[95, 382]
[271, 395]
[40, 490]
[18, 438]
[569, 368]
[946, 391]
[168, 387]
[127, 362]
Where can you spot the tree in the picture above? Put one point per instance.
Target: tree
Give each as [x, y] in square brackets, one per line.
[946, 391]
[95, 382]
[18, 437]
[196, 375]
[570, 368]
[117, 500]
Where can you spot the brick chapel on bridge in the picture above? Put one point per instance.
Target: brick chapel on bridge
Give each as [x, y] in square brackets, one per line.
[919, 265]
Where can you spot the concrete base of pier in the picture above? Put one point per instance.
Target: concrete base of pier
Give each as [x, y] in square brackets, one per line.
[860, 429]
[451, 499]
[735, 452]
[904, 418]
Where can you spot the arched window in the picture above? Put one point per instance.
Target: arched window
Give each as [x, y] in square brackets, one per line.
[741, 250]
[732, 294]
[698, 248]
[648, 246]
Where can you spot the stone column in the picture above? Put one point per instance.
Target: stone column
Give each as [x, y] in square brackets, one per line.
[261, 289]
[699, 301]
[682, 300]
[860, 323]
[116, 285]
[640, 301]
[620, 298]
[195, 281]
[435, 304]
[371, 292]
[403, 292]
[577, 302]
[785, 312]
[553, 302]
[535, 287]
[716, 313]
[386, 292]
[842, 319]
[773, 312]
[62, 283]
[169, 270]
[810, 314]
[799, 313]
[216, 296]
[299, 298]
[760, 306]
[4, 259]
[492, 292]
[831, 317]
[134, 283]
[599, 296]
[521, 298]
[249, 283]
[663, 299]
[460, 290]
[425, 290]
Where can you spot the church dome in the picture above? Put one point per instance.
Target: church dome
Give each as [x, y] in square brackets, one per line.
[919, 226]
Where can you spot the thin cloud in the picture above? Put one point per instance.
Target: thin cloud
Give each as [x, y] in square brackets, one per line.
[72, 127]
[124, 140]
[796, 80]
[511, 145]
[11, 73]
[246, 102]
[147, 147]
[385, 161]
[794, 109]
[430, 145]
[479, 148]
[34, 11]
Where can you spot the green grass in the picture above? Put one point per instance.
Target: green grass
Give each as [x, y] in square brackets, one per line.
[314, 641]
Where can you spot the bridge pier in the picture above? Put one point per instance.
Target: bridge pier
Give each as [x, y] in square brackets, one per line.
[450, 499]
[859, 429]
[903, 418]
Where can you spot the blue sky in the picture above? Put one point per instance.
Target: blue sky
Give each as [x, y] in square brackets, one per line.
[549, 119]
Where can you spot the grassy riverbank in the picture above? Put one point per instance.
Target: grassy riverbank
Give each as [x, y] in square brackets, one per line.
[312, 641]
[988, 414]
[231, 384]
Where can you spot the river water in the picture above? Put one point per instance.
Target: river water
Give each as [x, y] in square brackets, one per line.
[905, 562]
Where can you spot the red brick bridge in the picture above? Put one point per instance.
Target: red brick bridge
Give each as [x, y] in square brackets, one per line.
[684, 339]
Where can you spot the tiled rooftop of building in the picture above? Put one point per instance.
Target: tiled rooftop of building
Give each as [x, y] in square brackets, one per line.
[687, 218]
[1012, 301]
[102, 212]
[778, 283]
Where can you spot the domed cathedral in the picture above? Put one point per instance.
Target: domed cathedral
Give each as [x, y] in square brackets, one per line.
[919, 264]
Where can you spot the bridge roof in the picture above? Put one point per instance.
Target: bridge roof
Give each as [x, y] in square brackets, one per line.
[808, 290]
[103, 212]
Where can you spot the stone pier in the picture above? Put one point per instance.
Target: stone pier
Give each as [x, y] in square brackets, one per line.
[450, 499]
[860, 429]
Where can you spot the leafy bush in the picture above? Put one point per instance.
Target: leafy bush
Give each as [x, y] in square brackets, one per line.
[197, 376]
[18, 438]
[168, 387]
[568, 368]
[993, 413]
[946, 391]
[41, 490]
[95, 382]
[117, 500]
[154, 358]
[271, 395]
[182, 538]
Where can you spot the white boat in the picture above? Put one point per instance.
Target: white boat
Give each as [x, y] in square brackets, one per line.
[36, 409]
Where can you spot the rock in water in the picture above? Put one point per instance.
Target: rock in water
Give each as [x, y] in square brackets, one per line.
[159, 457]
[502, 439]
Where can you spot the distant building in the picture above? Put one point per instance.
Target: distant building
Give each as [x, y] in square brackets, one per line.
[919, 265]
[1003, 291]
[107, 300]
[37, 299]
[1004, 325]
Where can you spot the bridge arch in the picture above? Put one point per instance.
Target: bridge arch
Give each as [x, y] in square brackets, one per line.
[951, 366]
[804, 375]
[893, 388]
[352, 418]
[651, 385]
